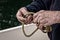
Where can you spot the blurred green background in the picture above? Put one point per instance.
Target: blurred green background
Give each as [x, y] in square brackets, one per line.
[8, 10]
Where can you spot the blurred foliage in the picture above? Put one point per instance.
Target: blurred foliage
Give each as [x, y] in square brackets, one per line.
[8, 10]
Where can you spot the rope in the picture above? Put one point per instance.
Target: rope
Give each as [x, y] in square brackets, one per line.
[46, 28]
[29, 34]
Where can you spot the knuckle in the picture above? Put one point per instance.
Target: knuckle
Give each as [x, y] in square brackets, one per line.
[35, 15]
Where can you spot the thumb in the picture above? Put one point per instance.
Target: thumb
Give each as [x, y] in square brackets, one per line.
[24, 11]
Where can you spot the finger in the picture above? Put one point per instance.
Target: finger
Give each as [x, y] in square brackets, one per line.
[24, 11]
[41, 26]
[18, 14]
[21, 19]
[40, 18]
[29, 19]
[47, 24]
[35, 15]
[43, 21]
[36, 19]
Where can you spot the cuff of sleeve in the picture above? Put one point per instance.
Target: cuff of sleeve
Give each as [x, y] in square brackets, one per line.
[30, 8]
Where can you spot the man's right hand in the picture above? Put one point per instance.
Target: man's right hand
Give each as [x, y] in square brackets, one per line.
[21, 18]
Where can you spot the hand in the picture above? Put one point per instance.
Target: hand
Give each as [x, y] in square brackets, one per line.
[21, 18]
[45, 18]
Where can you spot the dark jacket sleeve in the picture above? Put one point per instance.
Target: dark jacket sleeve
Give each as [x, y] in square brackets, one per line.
[37, 5]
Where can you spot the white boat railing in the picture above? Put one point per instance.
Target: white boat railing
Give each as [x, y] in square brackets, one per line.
[16, 33]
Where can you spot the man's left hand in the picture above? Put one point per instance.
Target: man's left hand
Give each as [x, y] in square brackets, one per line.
[45, 18]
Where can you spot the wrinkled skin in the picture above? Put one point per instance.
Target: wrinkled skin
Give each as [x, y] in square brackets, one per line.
[45, 18]
[21, 18]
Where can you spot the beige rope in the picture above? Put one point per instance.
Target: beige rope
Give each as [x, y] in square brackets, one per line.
[46, 28]
[29, 34]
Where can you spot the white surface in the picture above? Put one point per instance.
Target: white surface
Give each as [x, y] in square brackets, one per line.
[17, 34]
